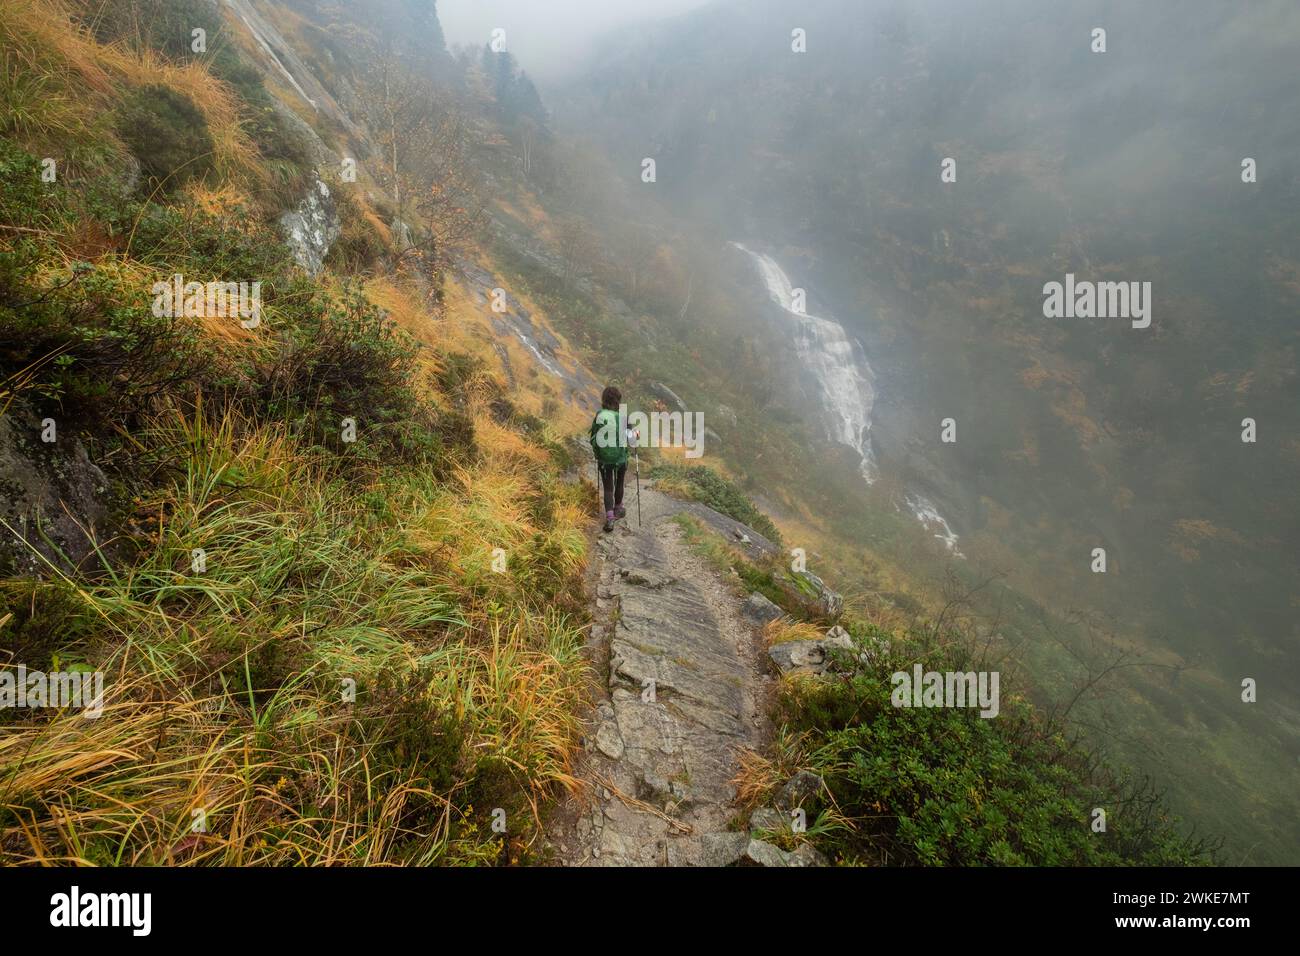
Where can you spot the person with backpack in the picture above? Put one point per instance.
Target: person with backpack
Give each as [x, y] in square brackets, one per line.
[610, 438]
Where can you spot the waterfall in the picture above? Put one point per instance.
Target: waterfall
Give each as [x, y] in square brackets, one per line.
[839, 369]
[835, 362]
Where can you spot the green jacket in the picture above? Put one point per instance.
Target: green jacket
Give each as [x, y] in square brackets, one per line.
[609, 437]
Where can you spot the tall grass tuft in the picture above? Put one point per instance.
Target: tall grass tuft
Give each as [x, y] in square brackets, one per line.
[230, 734]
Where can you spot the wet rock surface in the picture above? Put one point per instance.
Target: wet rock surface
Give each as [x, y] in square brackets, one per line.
[311, 228]
[685, 695]
[52, 497]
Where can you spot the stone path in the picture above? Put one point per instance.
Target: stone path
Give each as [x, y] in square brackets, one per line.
[685, 690]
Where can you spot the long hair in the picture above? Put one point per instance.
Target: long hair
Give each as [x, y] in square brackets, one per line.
[611, 398]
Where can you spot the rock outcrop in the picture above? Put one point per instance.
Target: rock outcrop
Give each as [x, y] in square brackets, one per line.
[52, 497]
[311, 228]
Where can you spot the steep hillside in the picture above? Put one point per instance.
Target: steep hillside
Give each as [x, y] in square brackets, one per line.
[278, 532]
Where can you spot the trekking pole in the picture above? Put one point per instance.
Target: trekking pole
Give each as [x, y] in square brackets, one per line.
[636, 456]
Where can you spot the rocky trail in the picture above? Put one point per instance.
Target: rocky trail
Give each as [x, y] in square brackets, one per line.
[685, 688]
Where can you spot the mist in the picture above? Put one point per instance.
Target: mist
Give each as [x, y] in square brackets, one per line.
[1130, 157]
[551, 40]
[503, 363]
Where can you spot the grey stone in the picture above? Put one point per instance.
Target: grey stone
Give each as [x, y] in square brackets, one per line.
[311, 228]
[810, 657]
[805, 854]
[666, 395]
[827, 603]
[768, 818]
[709, 849]
[47, 490]
[799, 657]
[764, 854]
[760, 609]
[609, 740]
[799, 789]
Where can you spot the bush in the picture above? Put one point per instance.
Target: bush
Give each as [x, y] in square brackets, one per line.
[88, 332]
[167, 135]
[942, 786]
[343, 358]
[706, 486]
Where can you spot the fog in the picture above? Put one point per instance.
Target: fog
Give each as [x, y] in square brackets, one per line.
[1121, 158]
[551, 39]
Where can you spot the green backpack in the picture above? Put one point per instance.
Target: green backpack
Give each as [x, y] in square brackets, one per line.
[609, 438]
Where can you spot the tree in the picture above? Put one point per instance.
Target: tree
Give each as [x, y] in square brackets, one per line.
[422, 159]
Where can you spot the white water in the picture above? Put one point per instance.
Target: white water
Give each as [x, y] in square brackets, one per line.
[846, 383]
[834, 361]
[926, 513]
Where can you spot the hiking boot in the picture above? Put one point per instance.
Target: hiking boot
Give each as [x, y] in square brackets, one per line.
[619, 512]
[609, 521]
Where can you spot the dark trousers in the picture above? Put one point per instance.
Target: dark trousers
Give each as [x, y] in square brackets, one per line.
[611, 482]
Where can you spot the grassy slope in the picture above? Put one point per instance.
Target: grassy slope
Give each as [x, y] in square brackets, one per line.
[329, 568]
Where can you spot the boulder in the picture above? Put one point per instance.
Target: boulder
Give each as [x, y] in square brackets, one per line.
[47, 491]
[805, 854]
[824, 602]
[760, 609]
[609, 741]
[799, 657]
[666, 395]
[810, 657]
[311, 228]
[799, 789]
[765, 854]
[768, 818]
[709, 849]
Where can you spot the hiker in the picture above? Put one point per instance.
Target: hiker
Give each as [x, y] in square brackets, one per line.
[610, 438]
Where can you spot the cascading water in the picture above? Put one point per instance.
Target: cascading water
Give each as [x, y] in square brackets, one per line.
[845, 383]
[835, 362]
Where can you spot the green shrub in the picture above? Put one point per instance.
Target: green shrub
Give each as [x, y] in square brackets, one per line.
[343, 358]
[167, 135]
[940, 786]
[706, 486]
[102, 354]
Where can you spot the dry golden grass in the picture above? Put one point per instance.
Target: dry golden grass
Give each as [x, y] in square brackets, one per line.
[787, 629]
[81, 80]
[285, 772]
